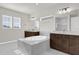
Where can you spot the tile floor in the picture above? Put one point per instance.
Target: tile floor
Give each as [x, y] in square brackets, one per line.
[11, 49]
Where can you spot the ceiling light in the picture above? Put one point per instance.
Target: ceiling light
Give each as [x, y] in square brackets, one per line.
[69, 9]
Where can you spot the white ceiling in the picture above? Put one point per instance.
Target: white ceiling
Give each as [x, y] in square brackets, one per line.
[42, 9]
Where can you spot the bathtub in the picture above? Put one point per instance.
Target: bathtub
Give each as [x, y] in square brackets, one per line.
[34, 45]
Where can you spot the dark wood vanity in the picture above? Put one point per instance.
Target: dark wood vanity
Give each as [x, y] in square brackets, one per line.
[64, 42]
[30, 33]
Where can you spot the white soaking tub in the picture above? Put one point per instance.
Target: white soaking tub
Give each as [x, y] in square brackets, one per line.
[34, 45]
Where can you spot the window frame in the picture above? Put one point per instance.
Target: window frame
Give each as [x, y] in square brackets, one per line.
[19, 22]
[8, 21]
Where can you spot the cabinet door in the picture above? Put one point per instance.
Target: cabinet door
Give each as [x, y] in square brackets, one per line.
[65, 43]
[56, 41]
[59, 41]
[53, 41]
[74, 45]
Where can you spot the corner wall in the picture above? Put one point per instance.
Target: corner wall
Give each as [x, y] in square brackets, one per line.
[13, 34]
[47, 26]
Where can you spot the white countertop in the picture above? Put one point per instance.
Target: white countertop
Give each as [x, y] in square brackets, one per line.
[67, 33]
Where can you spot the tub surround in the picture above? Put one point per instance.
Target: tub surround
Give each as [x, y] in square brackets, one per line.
[65, 41]
[34, 39]
[33, 45]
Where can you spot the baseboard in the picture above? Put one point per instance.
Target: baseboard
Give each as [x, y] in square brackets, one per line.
[8, 42]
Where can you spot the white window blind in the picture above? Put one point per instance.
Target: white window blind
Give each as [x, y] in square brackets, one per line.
[11, 22]
[16, 22]
[6, 21]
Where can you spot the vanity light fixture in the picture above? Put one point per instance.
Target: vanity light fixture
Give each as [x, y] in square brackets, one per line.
[64, 10]
[32, 18]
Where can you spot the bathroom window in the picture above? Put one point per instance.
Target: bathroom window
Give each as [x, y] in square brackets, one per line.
[17, 22]
[6, 21]
[11, 22]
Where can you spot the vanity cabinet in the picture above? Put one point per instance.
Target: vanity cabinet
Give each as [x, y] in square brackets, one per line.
[74, 45]
[29, 33]
[65, 43]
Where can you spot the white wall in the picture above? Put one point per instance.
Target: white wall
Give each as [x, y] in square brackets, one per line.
[47, 26]
[75, 24]
[13, 34]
